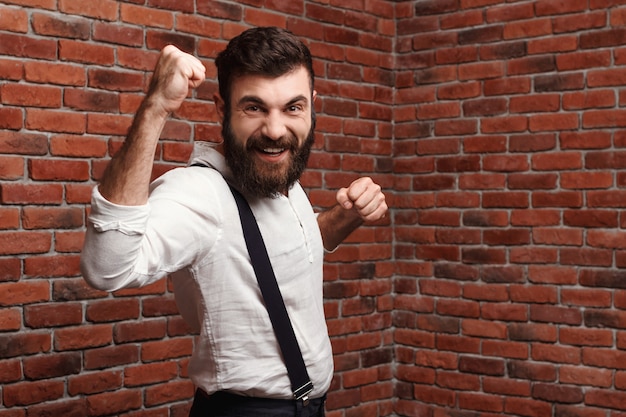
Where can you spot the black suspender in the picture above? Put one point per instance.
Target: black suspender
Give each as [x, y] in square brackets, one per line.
[301, 384]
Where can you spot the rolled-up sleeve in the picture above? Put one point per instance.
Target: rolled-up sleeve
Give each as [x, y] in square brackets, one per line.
[131, 246]
[105, 216]
[112, 241]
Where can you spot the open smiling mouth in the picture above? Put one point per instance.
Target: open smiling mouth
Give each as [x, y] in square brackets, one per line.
[273, 151]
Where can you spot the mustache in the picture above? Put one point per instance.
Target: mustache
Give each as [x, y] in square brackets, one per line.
[261, 141]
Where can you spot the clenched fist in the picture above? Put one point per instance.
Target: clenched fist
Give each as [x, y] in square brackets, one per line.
[175, 73]
[365, 197]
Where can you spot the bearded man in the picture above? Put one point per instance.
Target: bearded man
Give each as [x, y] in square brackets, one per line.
[185, 223]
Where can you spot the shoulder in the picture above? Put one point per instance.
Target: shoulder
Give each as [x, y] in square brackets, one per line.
[193, 179]
[197, 188]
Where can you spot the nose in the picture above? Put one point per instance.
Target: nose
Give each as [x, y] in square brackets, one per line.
[274, 125]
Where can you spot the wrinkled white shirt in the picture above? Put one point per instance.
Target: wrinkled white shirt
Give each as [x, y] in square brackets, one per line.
[190, 229]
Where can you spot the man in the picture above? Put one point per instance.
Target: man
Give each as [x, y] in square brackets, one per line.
[185, 223]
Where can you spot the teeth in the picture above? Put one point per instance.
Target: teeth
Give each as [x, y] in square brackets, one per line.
[273, 150]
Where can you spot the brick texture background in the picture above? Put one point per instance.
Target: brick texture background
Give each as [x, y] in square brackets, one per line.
[497, 285]
[509, 244]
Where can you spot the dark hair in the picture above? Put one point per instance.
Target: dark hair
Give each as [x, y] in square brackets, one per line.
[268, 51]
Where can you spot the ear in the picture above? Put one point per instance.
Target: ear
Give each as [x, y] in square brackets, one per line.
[219, 105]
[314, 95]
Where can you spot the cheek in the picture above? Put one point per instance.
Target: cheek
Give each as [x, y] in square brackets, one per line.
[243, 129]
[303, 130]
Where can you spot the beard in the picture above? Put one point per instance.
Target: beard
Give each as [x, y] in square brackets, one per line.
[260, 178]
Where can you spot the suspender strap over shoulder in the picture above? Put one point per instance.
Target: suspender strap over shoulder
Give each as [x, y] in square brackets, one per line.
[301, 384]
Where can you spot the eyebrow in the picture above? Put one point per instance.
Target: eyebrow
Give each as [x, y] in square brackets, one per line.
[258, 100]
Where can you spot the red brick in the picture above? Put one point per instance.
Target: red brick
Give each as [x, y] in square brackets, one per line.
[531, 371]
[27, 393]
[54, 73]
[260, 17]
[69, 241]
[542, 123]
[78, 193]
[156, 288]
[52, 366]
[77, 146]
[10, 118]
[16, 243]
[59, 170]
[13, 20]
[10, 371]
[113, 80]
[133, 58]
[42, 4]
[586, 297]
[55, 121]
[157, 40]
[11, 169]
[529, 407]
[580, 375]
[31, 95]
[166, 349]
[11, 70]
[574, 22]
[582, 257]
[22, 143]
[207, 28]
[63, 26]
[176, 326]
[118, 34]
[169, 392]
[10, 320]
[600, 160]
[148, 374]
[10, 269]
[52, 218]
[583, 60]
[66, 408]
[559, 161]
[13, 345]
[95, 382]
[52, 266]
[115, 402]
[24, 46]
[481, 402]
[416, 374]
[506, 386]
[146, 16]
[112, 310]
[103, 10]
[82, 337]
[606, 398]
[53, 315]
[108, 124]
[195, 111]
[159, 306]
[75, 289]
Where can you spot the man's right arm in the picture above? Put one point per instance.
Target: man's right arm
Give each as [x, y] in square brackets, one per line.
[127, 177]
[117, 224]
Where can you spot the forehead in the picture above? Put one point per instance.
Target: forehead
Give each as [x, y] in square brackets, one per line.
[272, 90]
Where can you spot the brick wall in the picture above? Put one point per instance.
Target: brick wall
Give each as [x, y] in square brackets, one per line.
[509, 153]
[72, 74]
[496, 128]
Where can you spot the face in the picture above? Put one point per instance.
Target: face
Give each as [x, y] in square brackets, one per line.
[268, 131]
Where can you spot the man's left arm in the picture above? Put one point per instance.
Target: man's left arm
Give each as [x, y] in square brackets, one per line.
[362, 201]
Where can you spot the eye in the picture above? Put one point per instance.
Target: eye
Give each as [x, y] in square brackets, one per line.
[252, 108]
[295, 108]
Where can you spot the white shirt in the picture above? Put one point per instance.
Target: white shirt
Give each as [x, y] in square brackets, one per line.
[190, 229]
